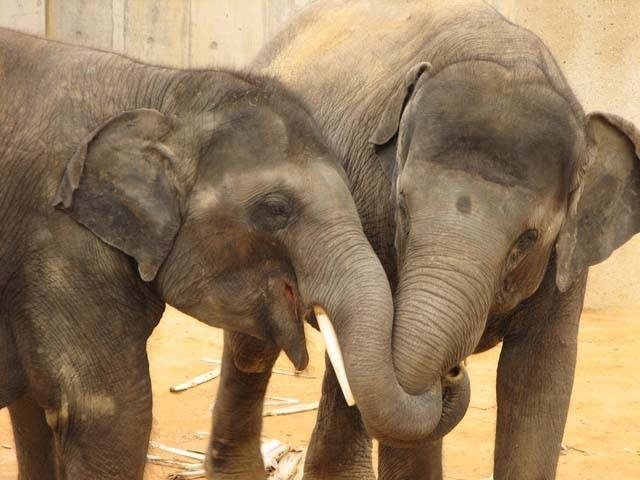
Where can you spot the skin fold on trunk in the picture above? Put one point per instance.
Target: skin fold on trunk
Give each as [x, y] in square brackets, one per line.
[443, 300]
[361, 309]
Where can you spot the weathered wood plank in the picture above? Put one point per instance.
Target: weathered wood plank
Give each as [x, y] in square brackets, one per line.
[505, 7]
[25, 15]
[81, 22]
[118, 12]
[227, 32]
[157, 31]
[278, 13]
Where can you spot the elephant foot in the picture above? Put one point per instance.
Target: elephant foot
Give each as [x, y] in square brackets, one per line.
[227, 462]
[334, 472]
[324, 464]
[422, 462]
[340, 448]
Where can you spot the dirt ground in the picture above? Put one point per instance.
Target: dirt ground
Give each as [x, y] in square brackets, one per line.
[602, 434]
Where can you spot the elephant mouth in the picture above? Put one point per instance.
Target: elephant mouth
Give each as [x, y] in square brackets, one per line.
[292, 340]
[285, 326]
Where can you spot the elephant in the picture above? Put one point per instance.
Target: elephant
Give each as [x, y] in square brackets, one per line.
[486, 192]
[126, 186]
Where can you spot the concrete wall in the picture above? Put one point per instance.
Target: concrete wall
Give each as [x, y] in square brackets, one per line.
[25, 15]
[597, 43]
[179, 33]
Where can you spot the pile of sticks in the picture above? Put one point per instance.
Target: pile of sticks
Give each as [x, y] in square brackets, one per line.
[281, 461]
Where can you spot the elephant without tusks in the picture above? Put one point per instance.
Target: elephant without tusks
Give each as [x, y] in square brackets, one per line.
[207, 190]
[486, 192]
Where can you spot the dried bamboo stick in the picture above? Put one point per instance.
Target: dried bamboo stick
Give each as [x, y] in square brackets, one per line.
[199, 380]
[178, 451]
[217, 361]
[188, 475]
[166, 462]
[288, 466]
[303, 407]
[271, 401]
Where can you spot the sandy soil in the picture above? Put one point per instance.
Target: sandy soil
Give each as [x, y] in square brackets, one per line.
[602, 430]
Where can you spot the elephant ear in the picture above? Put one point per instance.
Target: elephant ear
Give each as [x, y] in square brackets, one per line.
[117, 184]
[389, 122]
[605, 210]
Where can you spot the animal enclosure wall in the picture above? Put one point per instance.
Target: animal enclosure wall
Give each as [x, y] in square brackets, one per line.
[179, 33]
[596, 42]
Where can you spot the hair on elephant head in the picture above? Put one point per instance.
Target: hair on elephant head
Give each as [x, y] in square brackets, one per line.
[230, 203]
[499, 178]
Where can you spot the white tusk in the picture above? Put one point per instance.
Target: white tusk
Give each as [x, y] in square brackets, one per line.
[334, 352]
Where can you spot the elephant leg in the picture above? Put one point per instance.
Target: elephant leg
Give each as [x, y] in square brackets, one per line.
[82, 345]
[103, 432]
[535, 378]
[34, 441]
[420, 463]
[234, 448]
[340, 447]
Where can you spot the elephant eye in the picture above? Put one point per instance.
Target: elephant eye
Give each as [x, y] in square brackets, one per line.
[272, 212]
[527, 239]
[524, 243]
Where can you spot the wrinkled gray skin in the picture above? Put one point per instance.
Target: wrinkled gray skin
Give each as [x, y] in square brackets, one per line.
[487, 193]
[207, 190]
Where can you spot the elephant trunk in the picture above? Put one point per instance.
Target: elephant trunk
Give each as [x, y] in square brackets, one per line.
[456, 393]
[446, 287]
[354, 291]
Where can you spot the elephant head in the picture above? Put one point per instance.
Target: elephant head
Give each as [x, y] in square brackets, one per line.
[498, 179]
[237, 212]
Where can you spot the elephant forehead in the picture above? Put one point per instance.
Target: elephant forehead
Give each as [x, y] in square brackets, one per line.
[285, 175]
[243, 184]
[510, 135]
[206, 199]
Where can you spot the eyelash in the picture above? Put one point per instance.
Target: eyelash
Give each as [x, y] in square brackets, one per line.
[273, 212]
[526, 241]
